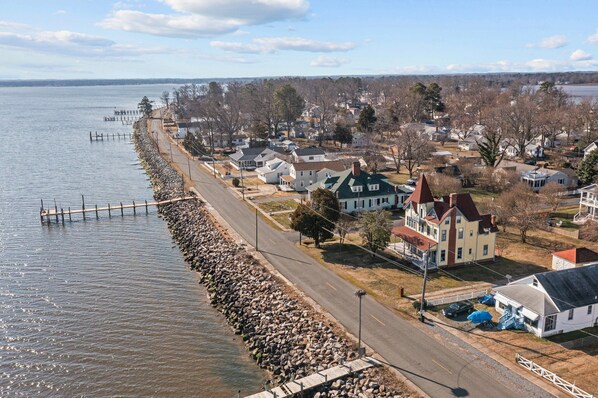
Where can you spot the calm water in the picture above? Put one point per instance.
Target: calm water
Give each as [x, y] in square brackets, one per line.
[97, 308]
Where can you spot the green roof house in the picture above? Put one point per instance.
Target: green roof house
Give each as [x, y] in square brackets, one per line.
[357, 190]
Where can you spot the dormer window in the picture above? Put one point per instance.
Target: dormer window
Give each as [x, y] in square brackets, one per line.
[535, 282]
[357, 188]
[374, 187]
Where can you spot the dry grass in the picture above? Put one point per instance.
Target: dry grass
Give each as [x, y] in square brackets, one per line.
[278, 205]
[283, 219]
[395, 178]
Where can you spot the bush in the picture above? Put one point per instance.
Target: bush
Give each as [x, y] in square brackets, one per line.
[236, 182]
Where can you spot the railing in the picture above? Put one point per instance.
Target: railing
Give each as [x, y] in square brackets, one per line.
[553, 378]
[458, 297]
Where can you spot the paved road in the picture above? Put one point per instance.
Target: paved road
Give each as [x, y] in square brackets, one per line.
[435, 368]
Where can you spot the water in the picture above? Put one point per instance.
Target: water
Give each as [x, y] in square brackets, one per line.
[581, 91]
[97, 308]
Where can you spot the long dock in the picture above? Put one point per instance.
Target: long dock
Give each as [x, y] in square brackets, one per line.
[107, 136]
[62, 215]
[317, 379]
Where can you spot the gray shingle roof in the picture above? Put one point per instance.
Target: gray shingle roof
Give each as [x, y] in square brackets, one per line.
[309, 151]
[571, 288]
[531, 298]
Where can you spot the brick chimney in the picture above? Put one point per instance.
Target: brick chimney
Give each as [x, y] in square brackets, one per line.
[453, 200]
[356, 169]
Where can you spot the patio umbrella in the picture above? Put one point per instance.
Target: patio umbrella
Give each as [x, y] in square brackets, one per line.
[479, 316]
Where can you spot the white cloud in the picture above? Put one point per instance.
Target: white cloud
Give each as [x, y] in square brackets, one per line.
[72, 43]
[593, 39]
[250, 12]
[13, 25]
[60, 12]
[550, 42]
[274, 44]
[201, 18]
[580, 55]
[328, 62]
[167, 25]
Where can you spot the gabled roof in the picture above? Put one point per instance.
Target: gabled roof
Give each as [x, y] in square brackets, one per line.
[246, 154]
[577, 255]
[331, 164]
[422, 193]
[571, 288]
[465, 205]
[340, 184]
[309, 151]
[528, 296]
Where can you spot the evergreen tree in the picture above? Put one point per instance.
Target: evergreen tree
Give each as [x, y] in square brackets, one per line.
[145, 106]
[343, 134]
[317, 218]
[374, 229]
[367, 118]
[586, 171]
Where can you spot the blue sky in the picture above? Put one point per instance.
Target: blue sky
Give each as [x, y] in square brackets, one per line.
[84, 39]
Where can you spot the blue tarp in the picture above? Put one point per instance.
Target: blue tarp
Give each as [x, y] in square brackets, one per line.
[487, 299]
[480, 316]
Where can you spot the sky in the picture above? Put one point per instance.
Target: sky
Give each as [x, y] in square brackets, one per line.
[100, 39]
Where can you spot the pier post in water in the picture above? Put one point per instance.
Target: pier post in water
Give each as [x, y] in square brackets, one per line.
[134, 209]
[109, 214]
[146, 213]
[62, 214]
[83, 206]
[121, 210]
[70, 214]
[97, 215]
[41, 209]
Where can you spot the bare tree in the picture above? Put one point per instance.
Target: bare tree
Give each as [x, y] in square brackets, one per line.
[551, 194]
[519, 206]
[343, 226]
[413, 147]
[442, 184]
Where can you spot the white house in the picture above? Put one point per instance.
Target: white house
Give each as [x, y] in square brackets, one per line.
[360, 140]
[536, 177]
[271, 172]
[357, 190]
[309, 154]
[588, 204]
[590, 148]
[553, 302]
[468, 145]
[252, 158]
[184, 128]
[303, 174]
[576, 257]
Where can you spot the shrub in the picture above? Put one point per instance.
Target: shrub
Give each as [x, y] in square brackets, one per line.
[236, 182]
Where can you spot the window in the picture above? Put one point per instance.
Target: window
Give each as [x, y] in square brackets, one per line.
[470, 251]
[355, 204]
[550, 323]
[427, 230]
[501, 305]
[310, 172]
[447, 221]
[458, 219]
[301, 173]
[311, 158]
[471, 232]
[345, 205]
[357, 188]
[373, 187]
[435, 233]
[459, 253]
[460, 233]
[442, 255]
[370, 203]
[301, 183]
[589, 309]
[485, 250]
[535, 282]
[570, 314]
[562, 181]
[378, 202]
[443, 236]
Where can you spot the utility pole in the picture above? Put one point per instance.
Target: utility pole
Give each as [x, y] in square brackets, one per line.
[189, 166]
[242, 185]
[300, 231]
[423, 299]
[360, 293]
[256, 230]
[170, 145]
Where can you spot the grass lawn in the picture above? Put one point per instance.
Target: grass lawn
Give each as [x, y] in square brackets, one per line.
[578, 334]
[278, 205]
[283, 219]
[395, 178]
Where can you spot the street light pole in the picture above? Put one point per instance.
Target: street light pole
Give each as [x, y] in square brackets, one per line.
[242, 185]
[256, 230]
[360, 293]
[189, 166]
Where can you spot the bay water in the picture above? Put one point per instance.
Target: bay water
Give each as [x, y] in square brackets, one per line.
[102, 307]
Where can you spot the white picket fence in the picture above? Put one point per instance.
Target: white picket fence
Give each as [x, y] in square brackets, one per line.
[553, 378]
[458, 297]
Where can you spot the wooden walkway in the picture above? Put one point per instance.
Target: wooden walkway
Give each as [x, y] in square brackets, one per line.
[107, 136]
[59, 214]
[317, 379]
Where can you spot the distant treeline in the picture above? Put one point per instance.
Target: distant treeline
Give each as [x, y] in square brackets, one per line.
[504, 79]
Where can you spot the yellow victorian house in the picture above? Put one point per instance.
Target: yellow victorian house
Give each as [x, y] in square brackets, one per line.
[445, 232]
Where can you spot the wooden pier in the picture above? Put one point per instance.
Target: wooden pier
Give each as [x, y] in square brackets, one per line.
[113, 136]
[62, 215]
[317, 379]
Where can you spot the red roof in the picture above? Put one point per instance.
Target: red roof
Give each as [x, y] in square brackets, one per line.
[415, 238]
[422, 193]
[577, 255]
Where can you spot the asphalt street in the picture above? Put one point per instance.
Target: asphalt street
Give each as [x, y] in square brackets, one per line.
[438, 369]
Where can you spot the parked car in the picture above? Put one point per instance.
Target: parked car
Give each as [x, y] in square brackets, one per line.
[462, 307]
[412, 181]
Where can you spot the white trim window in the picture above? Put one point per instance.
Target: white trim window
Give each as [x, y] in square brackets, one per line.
[550, 323]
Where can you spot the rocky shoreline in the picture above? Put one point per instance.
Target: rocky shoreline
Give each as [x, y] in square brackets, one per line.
[284, 334]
